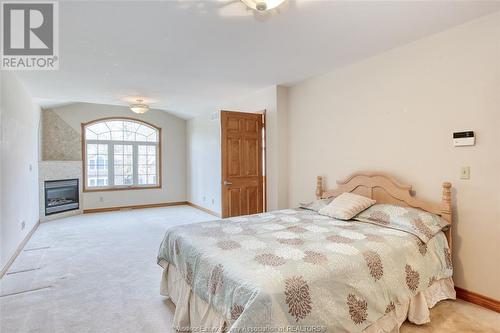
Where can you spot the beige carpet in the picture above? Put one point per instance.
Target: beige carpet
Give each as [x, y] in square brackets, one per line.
[457, 316]
[97, 273]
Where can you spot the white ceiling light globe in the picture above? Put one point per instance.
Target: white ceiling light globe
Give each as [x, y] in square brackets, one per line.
[262, 5]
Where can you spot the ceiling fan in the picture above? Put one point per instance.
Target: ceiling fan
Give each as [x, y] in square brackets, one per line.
[259, 7]
[263, 5]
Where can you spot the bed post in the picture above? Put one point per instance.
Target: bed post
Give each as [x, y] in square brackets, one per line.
[319, 187]
[446, 209]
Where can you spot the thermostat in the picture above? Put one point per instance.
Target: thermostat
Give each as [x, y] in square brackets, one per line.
[464, 138]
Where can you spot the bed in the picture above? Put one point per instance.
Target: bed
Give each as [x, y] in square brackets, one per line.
[296, 270]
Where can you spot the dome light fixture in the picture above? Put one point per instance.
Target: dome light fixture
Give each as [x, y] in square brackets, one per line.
[139, 107]
[262, 5]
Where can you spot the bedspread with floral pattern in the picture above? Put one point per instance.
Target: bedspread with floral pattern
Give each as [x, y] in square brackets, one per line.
[296, 270]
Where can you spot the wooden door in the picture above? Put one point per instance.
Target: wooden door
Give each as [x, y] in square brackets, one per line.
[242, 159]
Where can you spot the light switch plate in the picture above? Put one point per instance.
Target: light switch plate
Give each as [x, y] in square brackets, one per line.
[465, 172]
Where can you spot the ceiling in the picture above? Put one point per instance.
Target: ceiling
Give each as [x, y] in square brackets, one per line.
[189, 57]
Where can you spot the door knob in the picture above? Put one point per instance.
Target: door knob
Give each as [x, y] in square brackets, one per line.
[226, 183]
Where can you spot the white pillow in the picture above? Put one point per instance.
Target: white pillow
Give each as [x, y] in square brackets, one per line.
[346, 206]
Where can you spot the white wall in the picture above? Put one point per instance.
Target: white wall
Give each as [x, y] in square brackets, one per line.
[204, 150]
[1, 159]
[204, 164]
[173, 155]
[396, 112]
[20, 117]
[279, 163]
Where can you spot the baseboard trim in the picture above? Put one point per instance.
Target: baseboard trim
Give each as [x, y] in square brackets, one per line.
[472, 297]
[19, 249]
[114, 209]
[163, 204]
[211, 212]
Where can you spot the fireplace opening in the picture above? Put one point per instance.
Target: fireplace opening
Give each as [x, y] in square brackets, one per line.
[61, 196]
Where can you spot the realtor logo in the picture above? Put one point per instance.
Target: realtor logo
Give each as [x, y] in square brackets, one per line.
[29, 36]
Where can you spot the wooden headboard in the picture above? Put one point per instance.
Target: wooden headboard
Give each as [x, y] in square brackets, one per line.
[386, 189]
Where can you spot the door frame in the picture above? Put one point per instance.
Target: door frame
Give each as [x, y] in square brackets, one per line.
[263, 152]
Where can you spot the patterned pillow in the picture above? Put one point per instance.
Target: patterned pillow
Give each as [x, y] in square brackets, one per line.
[415, 221]
[346, 206]
[316, 205]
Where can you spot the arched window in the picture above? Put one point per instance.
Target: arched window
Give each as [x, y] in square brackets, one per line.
[121, 153]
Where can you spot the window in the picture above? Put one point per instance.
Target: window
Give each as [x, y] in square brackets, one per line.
[121, 154]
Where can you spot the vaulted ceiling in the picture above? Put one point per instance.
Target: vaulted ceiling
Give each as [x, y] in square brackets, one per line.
[188, 57]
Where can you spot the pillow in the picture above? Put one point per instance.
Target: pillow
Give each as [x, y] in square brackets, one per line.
[316, 205]
[346, 206]
[415, 221]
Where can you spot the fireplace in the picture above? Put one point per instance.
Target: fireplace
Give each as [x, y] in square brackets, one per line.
[61, 196]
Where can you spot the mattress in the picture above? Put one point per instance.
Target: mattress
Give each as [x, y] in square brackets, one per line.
[296, 270]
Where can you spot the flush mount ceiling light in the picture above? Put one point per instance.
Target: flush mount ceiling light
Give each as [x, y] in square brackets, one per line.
[262, 5]
[139, 107]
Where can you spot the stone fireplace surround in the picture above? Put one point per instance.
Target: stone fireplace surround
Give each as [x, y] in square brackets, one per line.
[57, 170]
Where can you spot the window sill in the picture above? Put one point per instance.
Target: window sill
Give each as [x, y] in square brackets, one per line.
[128, 188]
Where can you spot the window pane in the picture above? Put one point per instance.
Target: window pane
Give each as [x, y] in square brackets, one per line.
[152, 169]
[128, 180]
[119, 130]
[115, 125]
[152, 137]
[104, 136]
[89, 135]
[117, 136]
[140, 137]
[118, 180]
[102, 162]
[118, 159]
[145, 130]
[127, 159]
[91, 149]
[97, 165]
[127, 170]
[147, 166]
[97, 159]
[131, 126]
[92, 173]
[91, 159]
[151, 159]
[118, 170]
[128, 136]
[102, 149]
[143, 169]
[98, 128]
[92, 181]
[123, 163]
[118, 149]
